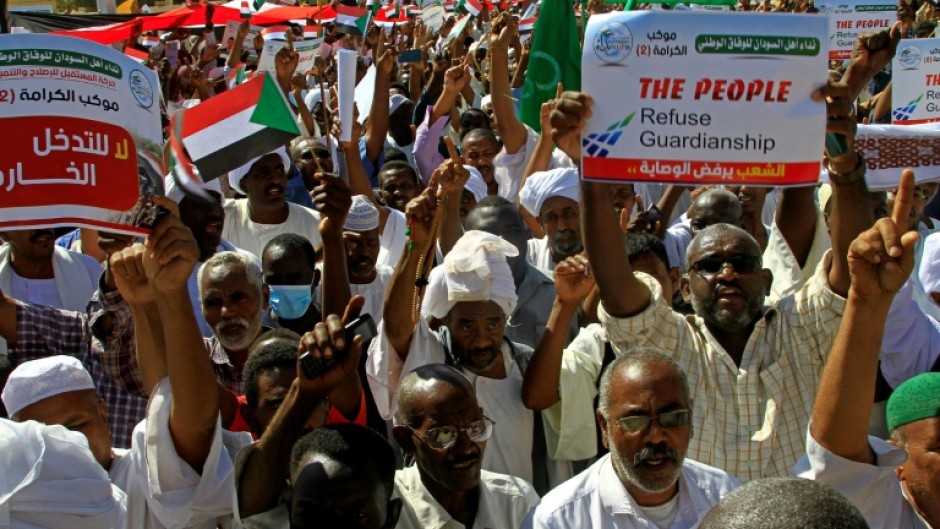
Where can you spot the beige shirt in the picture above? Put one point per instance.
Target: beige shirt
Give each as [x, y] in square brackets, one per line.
[749, 421]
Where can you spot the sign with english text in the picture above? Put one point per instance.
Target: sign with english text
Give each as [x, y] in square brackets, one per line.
[915, 92]
[850, 18]
[82, 137]
[685, 97]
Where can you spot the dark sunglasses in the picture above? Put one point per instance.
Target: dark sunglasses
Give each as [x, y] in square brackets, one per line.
[638, 423]
[742, 264]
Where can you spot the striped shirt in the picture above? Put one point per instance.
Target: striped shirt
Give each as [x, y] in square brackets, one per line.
[749, 421]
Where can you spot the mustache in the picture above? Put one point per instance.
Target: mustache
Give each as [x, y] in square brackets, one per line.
[652, 451]
[564, 234]
[41, 233]
[233, 322]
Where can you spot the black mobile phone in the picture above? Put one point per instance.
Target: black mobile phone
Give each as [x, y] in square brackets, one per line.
[653, 214]
[409, 56]
[364, 325]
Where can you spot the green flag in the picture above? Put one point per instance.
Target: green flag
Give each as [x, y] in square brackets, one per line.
[555, 57]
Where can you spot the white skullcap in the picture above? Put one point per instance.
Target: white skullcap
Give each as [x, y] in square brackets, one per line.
[362, 216]
[542, 185]
[929, 272]
[51, 479]
[485, 100]
[40, 379]
[474, 270]
[314, 96]
[475, 184]
[176, 193]
[235, 175]
[395, 101]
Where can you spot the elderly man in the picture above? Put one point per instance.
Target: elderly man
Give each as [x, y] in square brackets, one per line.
[895, 484]
[782, 347]
[443, 428]
[645, 415]
[251, 222]
[552, 197]
[191, 468]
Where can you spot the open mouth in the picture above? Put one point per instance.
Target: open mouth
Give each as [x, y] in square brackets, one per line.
[213, 228]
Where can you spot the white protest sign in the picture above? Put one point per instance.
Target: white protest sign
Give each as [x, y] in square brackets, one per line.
[346, 90]
[915, 90]
[87, 148]
[365, 91]
[433, 17]
[850, 18]
[308, 50]
[685, 97]
[889, 149]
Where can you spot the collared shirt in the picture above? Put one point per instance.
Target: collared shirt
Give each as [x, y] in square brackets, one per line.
[225, 372]
[597, 498]
[873, 489]
[46, 331]
[503, 504]
[789, 276]
[749, 420]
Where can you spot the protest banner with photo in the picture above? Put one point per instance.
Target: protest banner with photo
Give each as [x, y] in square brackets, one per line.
[687, 98]
[308, 50]
[87, 147]
[915, 92]
[889, 149]
[850, 18]
[231, 31]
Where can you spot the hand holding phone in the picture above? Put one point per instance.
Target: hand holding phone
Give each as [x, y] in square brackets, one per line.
[363, 326]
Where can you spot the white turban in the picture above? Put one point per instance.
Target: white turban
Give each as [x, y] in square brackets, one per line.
[176, 193]
[474, 270]
[929, 272]
[235, 175]
[51, 479]
[542, 185]
[40, 379]
[475, 184]
[362, 216]
[395, 101]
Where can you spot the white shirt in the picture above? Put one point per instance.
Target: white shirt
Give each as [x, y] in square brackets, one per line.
[597, 498]
[374, 292]
[251, 236]
[503, 504]
[789, 276]
[873, 489]
[393, 239]
[45, 292]
[540, 255]
[911, 341]
[508, 169]
[163, 491]
[509, 451]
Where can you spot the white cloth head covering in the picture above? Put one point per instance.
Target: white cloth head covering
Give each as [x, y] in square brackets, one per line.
[51, 479]
[929, 272]
[486, 100]
[475, 184]
[395, 101]
[474, 270]
[362, 216]
[175, 193]
[40, 379]
[235, 175]
[542, 185]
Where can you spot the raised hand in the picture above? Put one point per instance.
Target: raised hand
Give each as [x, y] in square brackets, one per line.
[420, 212]
[882, 258]
[286, 61]
[573, 280]
[127, 268]
[870, 54]
[571, 113]
[457, 77]
[840, 113]
[451, 174]
[325, 342]
[332, 198]
[171, 251]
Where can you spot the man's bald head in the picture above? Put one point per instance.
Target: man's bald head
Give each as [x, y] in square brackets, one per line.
[424, 382]
[715, 206]
[719, 232]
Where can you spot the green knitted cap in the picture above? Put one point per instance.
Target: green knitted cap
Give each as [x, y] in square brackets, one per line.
[917, 398]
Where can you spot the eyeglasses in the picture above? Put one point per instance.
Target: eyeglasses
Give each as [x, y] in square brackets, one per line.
[638, 423]
[444, 437]
[741, 263]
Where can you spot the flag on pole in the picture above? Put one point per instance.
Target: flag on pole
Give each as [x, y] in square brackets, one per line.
[527, 25]
[373, 7]
[226, 131]
[181, 167]
[555, 57]
[352, 20]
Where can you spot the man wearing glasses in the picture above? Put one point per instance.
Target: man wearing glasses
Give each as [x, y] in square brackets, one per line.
[645, 414]
[441, 426]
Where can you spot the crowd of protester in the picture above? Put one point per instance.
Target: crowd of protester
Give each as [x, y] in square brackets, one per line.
[540, 350]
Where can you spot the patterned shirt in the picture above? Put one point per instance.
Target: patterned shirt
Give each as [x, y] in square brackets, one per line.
[45, 331]
[749, 421]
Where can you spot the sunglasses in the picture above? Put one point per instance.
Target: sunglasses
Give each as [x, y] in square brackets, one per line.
[638, 423]
[444, 437]
[742, 264]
